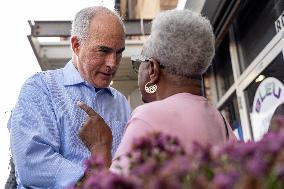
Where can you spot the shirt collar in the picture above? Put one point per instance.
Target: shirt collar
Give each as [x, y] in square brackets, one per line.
[71, 76]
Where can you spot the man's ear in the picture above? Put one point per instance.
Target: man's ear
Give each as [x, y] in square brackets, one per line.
[75, 45]
[154, 71]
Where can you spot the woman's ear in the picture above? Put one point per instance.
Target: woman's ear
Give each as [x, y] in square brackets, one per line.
[154, 71]
[75, 45]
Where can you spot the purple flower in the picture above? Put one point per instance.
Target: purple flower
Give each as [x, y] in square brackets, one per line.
[239, 151]
[114, 181]
[145, 168]
[95, 163]
[93, 182]
[280, 171]
[256, 166]
[224, 181]
[158, 161]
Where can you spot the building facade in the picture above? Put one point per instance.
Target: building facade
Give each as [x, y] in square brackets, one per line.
[245, 80]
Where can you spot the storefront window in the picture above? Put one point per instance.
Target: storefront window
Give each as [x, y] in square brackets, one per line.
[254, 27]
[222, 67]
[271, 95]
[209, 90]
[230, 111]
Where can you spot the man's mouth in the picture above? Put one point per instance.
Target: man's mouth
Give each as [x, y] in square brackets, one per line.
[106, 75]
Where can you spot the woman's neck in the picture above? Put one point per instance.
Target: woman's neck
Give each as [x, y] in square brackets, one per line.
[168, 88]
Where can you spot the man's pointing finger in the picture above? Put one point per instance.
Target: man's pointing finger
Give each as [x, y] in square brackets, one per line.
[87, 109]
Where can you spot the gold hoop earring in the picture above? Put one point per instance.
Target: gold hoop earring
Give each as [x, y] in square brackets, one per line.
[150, 89]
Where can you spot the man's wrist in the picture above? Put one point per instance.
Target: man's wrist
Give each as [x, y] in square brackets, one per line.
[101, 147]
[104, 150]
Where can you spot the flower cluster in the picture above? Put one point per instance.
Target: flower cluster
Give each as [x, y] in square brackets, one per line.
[159, 162]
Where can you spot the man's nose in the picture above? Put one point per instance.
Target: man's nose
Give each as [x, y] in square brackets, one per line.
[112, 60]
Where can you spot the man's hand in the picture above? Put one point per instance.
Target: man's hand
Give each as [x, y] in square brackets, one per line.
[96, 134]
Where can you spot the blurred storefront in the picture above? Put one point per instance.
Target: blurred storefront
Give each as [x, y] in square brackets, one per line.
[245, 80]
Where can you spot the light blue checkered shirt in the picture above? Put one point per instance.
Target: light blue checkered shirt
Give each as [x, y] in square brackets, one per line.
[44, 124]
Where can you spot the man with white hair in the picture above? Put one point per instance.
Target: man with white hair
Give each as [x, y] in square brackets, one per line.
[46, 120]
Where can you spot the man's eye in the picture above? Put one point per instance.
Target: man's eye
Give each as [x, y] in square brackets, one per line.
[104, 50]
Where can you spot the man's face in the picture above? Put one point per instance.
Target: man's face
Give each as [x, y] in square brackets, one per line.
[99, 56]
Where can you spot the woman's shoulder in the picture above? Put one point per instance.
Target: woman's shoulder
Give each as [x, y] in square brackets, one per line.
[149, 107]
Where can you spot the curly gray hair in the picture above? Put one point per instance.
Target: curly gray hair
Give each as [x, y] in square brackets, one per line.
[182, 41]
[82, 20]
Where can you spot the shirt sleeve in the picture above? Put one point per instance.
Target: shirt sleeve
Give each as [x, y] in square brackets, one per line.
[35, 141]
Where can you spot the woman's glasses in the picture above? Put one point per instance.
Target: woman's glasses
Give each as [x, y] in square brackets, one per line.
[138, 59]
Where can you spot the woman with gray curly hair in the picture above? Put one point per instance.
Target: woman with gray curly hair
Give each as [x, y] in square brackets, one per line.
[176, 54]
[179, 49]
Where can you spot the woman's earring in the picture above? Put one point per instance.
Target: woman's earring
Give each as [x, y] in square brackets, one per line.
[152, 88]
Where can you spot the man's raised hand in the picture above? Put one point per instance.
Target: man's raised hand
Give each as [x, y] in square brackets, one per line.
[94, 133]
